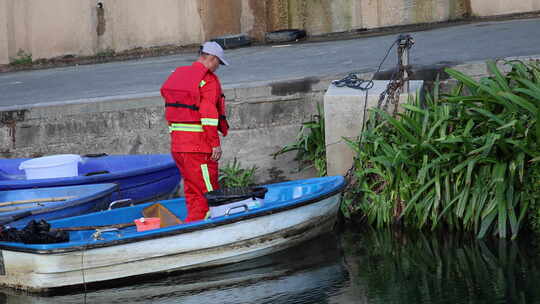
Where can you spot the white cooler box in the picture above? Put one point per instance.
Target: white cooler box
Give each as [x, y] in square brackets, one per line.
[236, 207]
[235, 200]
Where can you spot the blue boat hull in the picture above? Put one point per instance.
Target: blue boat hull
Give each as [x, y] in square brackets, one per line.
[79, 200]
[139, 177]
[292, 212]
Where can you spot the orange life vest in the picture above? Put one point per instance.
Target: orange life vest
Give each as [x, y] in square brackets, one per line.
[182, 97]
[181, 94]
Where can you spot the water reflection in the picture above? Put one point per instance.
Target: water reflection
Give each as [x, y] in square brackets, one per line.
[355, 267]
[309, 273]
[386, 267]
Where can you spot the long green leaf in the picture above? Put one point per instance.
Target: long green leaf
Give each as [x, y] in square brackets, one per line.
[398, 125]
[500, 188]
[520, 101]
[468, 81]
[486, 224]
[501, 80]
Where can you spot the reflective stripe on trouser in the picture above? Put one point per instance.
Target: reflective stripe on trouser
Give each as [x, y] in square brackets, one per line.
[192, 168]
[185, 127]
[206, 177]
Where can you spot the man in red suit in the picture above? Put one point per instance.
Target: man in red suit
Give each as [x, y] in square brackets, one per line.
[195, 111]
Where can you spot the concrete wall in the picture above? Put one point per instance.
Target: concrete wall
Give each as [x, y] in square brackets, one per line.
[502, 7]
[130, 24]
[263, 118]
[45, 28]
[320, 17]
[345, 117]
[52, 28]
[4, 58]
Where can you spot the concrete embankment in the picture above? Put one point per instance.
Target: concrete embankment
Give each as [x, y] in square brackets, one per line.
[264, 117]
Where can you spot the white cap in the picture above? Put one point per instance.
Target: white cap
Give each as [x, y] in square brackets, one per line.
[213, 48]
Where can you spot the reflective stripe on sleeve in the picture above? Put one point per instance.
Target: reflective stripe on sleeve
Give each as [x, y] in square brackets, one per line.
[209, 121]
[206, 177]
[185, 127]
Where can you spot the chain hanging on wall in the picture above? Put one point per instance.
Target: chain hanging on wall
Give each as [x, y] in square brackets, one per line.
[400, 76]
[390, 95]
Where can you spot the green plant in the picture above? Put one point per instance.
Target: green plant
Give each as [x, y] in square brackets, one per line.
[465, 161]
[310, 144]
[22, 58]
[106, 53]
[233, 175]
[532, 188]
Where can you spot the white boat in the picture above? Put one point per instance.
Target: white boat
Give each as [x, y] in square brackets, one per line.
[292, 212]
[289, 276]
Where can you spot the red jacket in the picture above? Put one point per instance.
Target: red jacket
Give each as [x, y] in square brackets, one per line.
[195, 109]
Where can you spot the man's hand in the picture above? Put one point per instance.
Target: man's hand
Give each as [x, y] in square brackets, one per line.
[216, 153]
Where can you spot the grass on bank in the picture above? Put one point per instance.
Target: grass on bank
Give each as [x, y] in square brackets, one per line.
[467, 160]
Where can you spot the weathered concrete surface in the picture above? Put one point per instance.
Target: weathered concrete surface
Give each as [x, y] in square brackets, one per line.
[45, 28]
[258, 65]
[116, 107]
[88, 27]
[501, 7]
[4, 50]
[344, 117]
[264, 118]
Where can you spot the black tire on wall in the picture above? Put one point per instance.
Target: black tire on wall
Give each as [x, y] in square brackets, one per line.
[285, 35]
[233, 41]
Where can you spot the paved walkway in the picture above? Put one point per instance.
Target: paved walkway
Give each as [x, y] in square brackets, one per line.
[460, 43]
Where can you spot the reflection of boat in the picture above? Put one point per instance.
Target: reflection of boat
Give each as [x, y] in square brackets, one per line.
[18, 207]
[139, 177]
[94, 256]
[304, 274]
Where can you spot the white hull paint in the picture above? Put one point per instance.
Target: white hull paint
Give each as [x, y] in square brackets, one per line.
[219, 245]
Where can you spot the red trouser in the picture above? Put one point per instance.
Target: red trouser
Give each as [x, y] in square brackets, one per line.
[200, 175]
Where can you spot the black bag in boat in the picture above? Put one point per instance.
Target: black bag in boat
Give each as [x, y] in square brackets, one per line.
[34, 233]
[230, 195]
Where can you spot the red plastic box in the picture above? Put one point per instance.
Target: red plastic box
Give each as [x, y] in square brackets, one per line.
[147, 223]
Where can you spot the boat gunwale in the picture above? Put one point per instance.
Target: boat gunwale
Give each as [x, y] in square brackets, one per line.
[338, 189]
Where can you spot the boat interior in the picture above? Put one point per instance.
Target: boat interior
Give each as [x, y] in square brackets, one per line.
[278, 195]
[15, 201]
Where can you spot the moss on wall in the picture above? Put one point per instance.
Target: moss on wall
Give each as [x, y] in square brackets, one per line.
[277, 14]
[220, 17]
[459, 9]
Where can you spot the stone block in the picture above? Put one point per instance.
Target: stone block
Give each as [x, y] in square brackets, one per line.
[230, 94]
[267, 113]
[248, 93]
[6, 140]
[344, 116]
[254, 147]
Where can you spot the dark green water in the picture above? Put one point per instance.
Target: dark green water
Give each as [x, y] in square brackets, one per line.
[354, 267]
